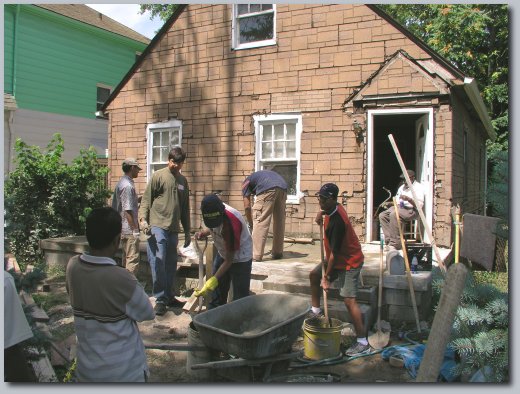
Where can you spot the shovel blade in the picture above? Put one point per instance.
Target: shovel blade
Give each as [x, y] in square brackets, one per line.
[379, 339]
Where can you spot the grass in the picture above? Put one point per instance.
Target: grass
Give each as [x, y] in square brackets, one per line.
[48, 300]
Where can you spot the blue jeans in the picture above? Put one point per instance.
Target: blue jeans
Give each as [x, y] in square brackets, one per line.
[239, 274]
[162, 257]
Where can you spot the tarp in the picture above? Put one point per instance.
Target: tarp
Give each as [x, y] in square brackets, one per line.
[412, 357]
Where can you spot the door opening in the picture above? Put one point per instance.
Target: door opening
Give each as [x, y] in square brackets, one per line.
[410, 132]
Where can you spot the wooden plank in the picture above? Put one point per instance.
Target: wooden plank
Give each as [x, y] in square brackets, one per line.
[191, 304]
[36, 312]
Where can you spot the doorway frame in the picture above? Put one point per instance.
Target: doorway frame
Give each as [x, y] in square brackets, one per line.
[428, 208]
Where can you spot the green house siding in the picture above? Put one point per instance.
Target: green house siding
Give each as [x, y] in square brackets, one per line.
[59, 61]
[8, 50]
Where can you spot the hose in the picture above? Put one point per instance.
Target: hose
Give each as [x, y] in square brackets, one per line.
[343, 359]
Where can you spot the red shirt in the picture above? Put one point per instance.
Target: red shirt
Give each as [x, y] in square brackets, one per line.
[342, 241]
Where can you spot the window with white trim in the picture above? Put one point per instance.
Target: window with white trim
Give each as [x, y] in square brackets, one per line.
[278, 148]
[254, 25]
[162, 137]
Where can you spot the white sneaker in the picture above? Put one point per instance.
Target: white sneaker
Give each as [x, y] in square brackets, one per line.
[357, 348]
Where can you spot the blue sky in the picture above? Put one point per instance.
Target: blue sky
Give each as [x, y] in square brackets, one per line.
[128, 15]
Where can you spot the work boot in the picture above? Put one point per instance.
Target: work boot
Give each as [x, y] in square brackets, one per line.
[175, 303]
[160, 309]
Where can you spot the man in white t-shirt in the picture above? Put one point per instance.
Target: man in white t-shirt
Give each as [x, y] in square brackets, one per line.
[408, 210]
[233, 263]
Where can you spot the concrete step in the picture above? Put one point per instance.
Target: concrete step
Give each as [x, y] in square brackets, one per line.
[287, 284]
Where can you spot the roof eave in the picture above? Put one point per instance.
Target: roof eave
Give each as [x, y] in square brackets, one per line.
[167, 25]
[471, 89]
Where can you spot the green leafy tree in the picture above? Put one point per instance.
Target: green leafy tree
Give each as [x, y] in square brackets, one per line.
[45, 197]
[163, 11]
[475, 38]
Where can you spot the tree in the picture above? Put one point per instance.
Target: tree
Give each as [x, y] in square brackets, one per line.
[45, 197]
[474, 37]
[163, 11]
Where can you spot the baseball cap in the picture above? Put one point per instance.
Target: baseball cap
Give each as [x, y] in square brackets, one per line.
[410, 174]
[131, 161]
[329, 190]
[212, 210]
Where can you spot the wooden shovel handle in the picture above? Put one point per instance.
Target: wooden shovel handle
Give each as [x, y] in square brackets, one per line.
[325, 301]
[407, 264]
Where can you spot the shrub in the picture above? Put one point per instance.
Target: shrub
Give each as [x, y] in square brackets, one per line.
[46, 197]
[480, 333]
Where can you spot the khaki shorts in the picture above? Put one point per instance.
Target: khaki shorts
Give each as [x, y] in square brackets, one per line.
[348, 281]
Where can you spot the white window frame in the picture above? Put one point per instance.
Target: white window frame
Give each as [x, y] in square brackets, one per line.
[259, 120]
[174, 124]
[235, 36]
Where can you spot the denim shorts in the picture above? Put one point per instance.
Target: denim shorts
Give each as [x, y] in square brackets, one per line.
[348, 281]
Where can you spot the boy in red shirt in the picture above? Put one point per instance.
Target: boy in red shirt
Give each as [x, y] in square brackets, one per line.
[343, 261]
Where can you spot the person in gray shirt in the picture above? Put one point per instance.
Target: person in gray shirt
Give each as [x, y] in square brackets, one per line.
[124, 201]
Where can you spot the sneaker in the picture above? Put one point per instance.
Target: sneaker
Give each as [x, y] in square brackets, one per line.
[160, 309]
[312, 315]
[357, 348]
[175, 303]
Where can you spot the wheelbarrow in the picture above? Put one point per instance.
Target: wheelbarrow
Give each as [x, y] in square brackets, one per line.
[258, 330]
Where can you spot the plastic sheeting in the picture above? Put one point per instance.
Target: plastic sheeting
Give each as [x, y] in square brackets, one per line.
[412, 356]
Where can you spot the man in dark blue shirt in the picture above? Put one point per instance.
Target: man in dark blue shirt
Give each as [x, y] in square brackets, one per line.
[270, 190]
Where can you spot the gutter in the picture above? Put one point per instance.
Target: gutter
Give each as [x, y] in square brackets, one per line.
[471, 89]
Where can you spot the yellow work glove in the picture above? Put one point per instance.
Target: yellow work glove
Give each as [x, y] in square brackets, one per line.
[209, 286]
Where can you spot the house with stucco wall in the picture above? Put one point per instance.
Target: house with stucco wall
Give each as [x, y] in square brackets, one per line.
[312, 92]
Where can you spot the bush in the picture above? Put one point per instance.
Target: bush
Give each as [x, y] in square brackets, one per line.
[480, 334]
[46, 198]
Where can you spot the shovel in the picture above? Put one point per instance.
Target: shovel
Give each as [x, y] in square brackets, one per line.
[379, 339]
[325, 301]
[191, 304]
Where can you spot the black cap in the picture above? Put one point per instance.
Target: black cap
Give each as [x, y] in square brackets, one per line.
[329, 190]
[410, 174]
[212, 210]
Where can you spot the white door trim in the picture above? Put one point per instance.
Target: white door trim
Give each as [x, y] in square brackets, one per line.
[370, 162]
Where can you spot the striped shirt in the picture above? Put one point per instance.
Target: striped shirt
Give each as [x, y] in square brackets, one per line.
[107, 302]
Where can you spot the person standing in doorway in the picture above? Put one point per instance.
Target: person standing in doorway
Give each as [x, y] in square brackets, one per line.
[124, 201]
[270, 190]
[164, 204]
[408, 210]
[233, 262]
[343, 262]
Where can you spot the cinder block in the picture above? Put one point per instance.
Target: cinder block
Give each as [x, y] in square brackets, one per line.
[339, 311]
[398, 314]
[403, 297]
[421, 281]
